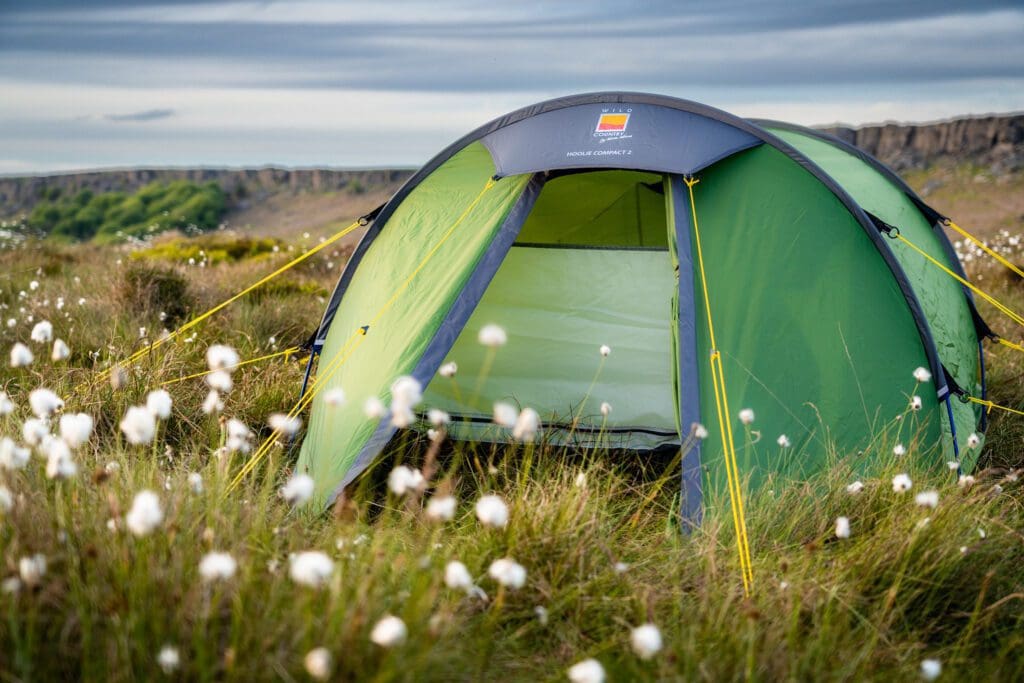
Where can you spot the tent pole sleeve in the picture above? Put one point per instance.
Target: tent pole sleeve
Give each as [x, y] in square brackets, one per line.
[455, 320]
[691, 509]
[314, 352]
[984, 385]
[952, 431]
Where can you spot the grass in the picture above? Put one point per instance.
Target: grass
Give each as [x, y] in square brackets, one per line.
[595, 533]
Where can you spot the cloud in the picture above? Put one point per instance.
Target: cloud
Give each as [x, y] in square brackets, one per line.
[140, 116]
[394, 82]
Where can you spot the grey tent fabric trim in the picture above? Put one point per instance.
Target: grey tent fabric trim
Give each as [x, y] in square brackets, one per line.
[455, 320]
[924, 330]
[691, 509]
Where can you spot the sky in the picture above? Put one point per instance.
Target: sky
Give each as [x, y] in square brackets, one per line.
[116, 83]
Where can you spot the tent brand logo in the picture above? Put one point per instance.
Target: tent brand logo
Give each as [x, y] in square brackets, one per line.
[608, 123]
[611, 124]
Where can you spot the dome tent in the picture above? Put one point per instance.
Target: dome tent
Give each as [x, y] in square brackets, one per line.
[572, 223]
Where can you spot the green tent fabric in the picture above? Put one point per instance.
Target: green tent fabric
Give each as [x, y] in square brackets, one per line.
[947, 311]
[365, 365]
[568, 224]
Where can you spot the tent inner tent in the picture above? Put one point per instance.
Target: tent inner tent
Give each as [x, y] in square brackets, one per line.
[583, 221]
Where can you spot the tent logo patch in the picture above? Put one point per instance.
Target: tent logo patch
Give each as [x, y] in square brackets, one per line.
[611, 124]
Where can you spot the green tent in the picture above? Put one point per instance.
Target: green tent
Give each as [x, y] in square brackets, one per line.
[570, 224]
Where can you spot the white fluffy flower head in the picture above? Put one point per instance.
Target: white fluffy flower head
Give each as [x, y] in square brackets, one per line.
[441, 508]
[168, 659]
[42, 333]
[505, 414]
[508, 573]
[493, 336]
[645, 641]
[374, 408]
[138, 425]
[747, 416]
[59, 464]
[448, 370]
[217, 566]
[457, 577]
[34, 430]
[404, 479]
[930, 669]
[221, 357]
[32, 569]
[298, 490]
[44, 402]
[21, 356]
[842, 527]
[406, 391]
[318, 663]
[145, 514]
[219, 380]
[158, 402]
[75, 428]
[526, 425]
[212, 403]
[587, 671]
[922, 375]
[492, 511]
[12, 456]
[901, 483]
[334, 398]
[310, 568]
[283, 424]
[389, 632]
[61, 351]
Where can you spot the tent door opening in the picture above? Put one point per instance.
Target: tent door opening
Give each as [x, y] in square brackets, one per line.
[591, 266]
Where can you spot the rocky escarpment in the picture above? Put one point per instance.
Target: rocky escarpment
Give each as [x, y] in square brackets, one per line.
[242, 186]
[993, 142]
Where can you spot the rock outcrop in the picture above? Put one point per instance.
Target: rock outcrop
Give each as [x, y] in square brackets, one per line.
[995, 142]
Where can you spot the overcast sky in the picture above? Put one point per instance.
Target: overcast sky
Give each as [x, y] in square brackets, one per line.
[373, 83]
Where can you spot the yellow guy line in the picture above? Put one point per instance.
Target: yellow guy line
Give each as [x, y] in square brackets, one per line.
[987, 297]
[1010, 344]
[286, 353]
[723, 413]
[984, 247]
[195, 321]
[989, 405]
[358, 336]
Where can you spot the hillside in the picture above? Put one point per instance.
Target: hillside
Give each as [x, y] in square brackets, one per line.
[269, 201]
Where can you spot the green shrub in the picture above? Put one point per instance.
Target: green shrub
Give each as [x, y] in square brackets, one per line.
[221, 248]
[150, 290]
[110, 216]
